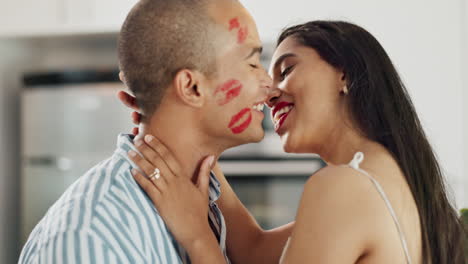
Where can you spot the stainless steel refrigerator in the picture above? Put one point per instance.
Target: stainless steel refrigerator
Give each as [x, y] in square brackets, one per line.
[70, 121]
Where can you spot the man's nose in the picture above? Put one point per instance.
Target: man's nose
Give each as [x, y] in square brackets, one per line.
[266, 81]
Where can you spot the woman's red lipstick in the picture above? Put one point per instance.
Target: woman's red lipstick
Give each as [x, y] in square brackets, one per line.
[280, 122]
[279, 106]
[244, 125]
[283, 117]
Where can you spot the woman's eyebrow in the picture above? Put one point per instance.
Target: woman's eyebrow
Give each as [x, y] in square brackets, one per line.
[282, 58]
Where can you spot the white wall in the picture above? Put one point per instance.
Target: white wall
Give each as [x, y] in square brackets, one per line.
[464, 11]
[423, 38]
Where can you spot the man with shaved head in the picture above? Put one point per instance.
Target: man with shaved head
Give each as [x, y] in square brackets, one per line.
[194, 68]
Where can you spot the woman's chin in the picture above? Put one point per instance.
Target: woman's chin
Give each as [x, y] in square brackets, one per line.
[288, 145]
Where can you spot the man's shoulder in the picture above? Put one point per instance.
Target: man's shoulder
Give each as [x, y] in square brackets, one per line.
[98, 187]
[107, 206]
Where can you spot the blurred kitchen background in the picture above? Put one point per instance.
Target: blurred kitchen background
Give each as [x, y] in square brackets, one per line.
[59, 115]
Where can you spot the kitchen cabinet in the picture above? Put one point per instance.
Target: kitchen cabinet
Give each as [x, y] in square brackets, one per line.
[21, 16]
[112, 12]
[101, 14]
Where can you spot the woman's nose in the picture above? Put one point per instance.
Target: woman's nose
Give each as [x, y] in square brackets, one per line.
[273, 96]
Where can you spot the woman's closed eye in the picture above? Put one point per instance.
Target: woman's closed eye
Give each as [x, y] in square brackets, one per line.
[255, 66]
[286, 71]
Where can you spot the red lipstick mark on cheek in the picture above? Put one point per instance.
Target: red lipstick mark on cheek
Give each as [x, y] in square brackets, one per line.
[234, 23]
[246, 114]
[228, 91]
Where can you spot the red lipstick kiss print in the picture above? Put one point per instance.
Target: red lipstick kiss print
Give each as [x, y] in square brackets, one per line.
[228, 91]
[242, 35]
[234, 23]
[246, 112]
[242, 32]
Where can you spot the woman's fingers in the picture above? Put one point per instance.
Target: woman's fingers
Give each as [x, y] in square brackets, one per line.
[122, 77]
[141, 162]
[164, 153]
[203, 181]
[136, 118]
[150, 188]
[153, 157]
[149, 168]
[135, 131]
[128, 100]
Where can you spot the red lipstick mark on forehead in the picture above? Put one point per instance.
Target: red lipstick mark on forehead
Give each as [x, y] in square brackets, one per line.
[242, 35]
[234, 23]
[242, 31]
[246, 112]
[228, 91]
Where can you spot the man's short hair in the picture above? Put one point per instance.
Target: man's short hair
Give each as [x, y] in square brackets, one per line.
[158, 39]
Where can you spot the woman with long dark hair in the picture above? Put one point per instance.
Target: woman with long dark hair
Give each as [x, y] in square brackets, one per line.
[336, 93]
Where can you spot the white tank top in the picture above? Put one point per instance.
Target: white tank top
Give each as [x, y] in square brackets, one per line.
[358, 158]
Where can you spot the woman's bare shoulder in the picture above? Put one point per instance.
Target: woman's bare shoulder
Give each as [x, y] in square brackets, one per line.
[345, 189]
[336, 209]
[336, 178]
[342, 190]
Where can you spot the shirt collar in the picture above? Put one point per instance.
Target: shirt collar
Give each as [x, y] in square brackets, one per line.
[125, 144]
[215, 188]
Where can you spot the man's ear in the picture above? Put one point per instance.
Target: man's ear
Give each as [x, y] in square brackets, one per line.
[187, 87]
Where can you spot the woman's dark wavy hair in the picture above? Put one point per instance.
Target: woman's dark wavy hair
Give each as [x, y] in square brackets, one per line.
[382, 109]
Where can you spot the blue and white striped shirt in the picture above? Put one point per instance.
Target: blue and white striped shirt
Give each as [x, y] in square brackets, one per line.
[105, 217]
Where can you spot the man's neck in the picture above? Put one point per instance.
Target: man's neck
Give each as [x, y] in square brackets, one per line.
[188, 145]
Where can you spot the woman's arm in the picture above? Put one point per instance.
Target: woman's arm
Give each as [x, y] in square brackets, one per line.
[206, 251]
[246, 241]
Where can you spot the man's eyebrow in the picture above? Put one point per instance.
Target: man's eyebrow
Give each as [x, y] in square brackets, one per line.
[255, 51]
[282, 58]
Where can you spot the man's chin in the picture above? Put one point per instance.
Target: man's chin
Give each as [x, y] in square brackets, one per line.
[249, 136]
[257, 136]
[261, 136]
